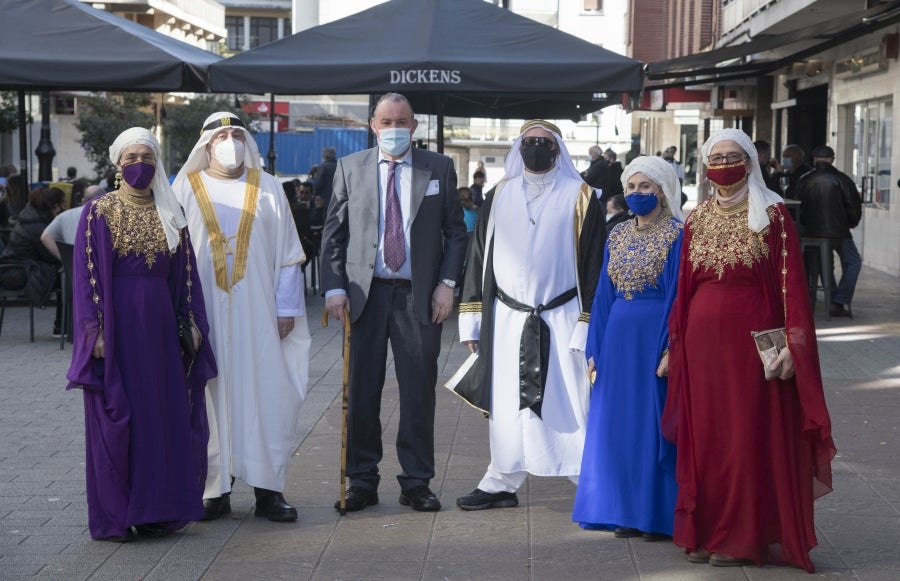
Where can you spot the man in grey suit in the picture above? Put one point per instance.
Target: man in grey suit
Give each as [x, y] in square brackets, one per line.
[392, 248]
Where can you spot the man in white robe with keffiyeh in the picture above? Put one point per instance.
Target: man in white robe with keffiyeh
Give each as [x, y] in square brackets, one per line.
[529, 286]
[249, 257]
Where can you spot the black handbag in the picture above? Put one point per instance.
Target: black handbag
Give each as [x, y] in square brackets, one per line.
[186, 337]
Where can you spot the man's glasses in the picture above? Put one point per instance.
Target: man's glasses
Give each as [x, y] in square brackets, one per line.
[728, 158]
[532, 141]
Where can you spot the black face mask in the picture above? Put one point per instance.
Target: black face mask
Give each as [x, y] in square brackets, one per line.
[538, 158]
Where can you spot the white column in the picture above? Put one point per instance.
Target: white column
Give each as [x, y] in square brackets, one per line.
[246, 33]
[305, 15]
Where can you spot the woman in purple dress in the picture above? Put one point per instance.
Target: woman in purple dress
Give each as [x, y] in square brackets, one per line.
[145, 414]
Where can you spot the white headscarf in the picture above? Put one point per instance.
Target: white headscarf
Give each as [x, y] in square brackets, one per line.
[759, 195]
[663, 174]
[514, 165]
[167, 206]
[198, 160]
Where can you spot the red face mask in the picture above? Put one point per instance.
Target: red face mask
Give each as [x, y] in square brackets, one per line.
[726, 174]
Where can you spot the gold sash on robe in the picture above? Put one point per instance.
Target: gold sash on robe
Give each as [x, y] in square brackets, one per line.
[219, 244]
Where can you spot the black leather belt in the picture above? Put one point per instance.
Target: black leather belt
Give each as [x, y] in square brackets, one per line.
[534, 348]
[393, 281]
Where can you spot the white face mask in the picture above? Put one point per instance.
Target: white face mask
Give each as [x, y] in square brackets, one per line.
[394, 140]
[229, 153]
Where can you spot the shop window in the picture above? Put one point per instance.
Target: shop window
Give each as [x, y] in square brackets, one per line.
[263, 31]
[235, 27]
[870, 156]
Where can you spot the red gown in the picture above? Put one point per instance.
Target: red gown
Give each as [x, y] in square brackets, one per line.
[752, 454]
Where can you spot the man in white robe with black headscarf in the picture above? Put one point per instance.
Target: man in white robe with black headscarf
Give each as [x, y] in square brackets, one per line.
[249, 257]
[526, 301]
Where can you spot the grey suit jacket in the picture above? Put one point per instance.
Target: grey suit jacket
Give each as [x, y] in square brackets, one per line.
[350, 238]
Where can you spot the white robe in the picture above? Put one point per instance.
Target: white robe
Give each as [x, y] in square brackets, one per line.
[254, 404]
[535, 263]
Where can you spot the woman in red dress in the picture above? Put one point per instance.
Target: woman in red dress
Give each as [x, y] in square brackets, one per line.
[752, 453]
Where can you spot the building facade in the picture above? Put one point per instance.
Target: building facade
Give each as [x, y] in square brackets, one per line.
[805, 72]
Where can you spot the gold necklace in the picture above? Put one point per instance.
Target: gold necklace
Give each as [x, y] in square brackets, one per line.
[136, 199]
[739, 207]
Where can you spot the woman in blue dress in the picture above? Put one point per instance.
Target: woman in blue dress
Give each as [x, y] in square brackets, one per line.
[627, 481]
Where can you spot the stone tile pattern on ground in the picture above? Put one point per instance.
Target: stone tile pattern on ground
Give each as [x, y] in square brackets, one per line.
[43, 515]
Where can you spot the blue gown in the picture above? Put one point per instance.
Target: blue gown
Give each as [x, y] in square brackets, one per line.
[628, 468]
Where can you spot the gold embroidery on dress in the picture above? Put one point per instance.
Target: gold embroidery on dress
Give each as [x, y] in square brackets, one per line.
[133, 227]
[637, 256]
[719, 239]
[90, 265]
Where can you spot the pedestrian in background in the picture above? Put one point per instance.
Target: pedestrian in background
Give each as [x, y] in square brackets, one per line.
[477, 187]
[614, 185]
[767, 164]
[324, 180]
[792, 167]
[616, 211]
[597, 174]
[65, 224]
[145, 416]
[25, 248]
[832, 207]
[753, 452]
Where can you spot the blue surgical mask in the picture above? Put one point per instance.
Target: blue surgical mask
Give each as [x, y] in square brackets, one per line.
[395, 140]
[787, 163]
[641, 204]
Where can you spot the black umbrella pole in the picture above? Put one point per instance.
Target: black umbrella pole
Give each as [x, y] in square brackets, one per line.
[272, 156]
[23, 141]
[440, 123]
[45, 151]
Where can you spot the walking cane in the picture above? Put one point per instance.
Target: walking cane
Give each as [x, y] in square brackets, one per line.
[344, 394]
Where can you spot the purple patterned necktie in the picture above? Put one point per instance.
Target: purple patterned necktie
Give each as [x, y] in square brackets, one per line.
[394, 241]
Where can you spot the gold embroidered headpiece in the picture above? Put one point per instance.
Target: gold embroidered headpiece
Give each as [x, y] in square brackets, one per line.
[223, 122]
[540, 123]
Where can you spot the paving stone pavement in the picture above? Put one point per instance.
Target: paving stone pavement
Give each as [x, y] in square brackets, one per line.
[43, 515]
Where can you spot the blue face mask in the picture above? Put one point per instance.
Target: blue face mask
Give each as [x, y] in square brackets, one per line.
[787, 163]
[641, 205]
[394, 141]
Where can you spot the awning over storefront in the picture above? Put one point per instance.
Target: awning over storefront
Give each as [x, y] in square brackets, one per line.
[766, 53]
[656, 99]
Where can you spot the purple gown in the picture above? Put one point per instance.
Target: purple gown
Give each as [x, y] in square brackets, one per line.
[145, 420]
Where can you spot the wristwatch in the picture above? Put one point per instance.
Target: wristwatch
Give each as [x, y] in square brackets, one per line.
[449, 282]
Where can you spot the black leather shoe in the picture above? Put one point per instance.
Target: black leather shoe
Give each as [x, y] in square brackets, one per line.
[837, 310]
[126, 538]
[214, 508]
[481, 500]
[420, 498]
[655, 537]
[357, 498]
[155, 530]
[271, 505]
[626, 533]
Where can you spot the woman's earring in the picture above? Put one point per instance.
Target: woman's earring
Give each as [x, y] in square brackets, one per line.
[118, 179]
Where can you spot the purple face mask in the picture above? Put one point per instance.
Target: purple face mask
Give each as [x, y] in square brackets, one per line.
[138, 175]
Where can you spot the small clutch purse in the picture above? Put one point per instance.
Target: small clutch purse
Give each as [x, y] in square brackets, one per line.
[186, 337]
[769, 344]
